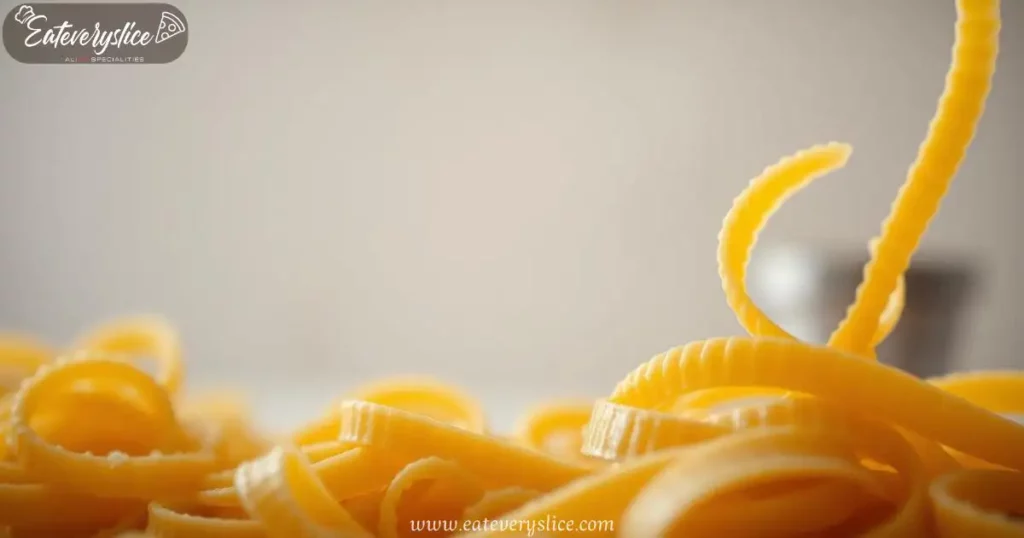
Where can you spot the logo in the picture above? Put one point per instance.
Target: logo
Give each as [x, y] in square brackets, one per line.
[110, 34]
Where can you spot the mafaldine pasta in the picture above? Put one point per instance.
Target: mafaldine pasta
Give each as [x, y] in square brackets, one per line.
[759, 436]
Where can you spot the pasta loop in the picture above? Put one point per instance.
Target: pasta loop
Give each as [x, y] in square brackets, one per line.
[451, 490]
[103, 427]
[505, 463]
[283, 493]
[141, 337]
[556, 428]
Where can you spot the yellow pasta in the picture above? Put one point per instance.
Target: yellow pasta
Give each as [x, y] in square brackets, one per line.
[498, 462]
[451, 490]
[167, 521]
[498, 502]
[750, 213]
[20, 356]
[428, 397]
[140, 337]
[618, 431]
[137, 450]
[283, 493]
[760, 436]
[960, 108]
[556, 427]
[421, 395]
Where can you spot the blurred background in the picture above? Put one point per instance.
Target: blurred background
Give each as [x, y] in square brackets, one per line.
[522, 197]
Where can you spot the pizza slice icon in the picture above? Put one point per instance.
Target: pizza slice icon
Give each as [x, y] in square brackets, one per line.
[170, 26]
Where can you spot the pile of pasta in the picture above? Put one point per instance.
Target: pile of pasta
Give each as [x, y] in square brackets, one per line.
[757, 436]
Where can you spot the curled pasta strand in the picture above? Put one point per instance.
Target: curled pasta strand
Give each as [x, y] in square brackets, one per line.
[750, 212]
[462, 490]
[235, 437]
[960, 108]
[283, 493]
[175, 463]
[506, 464]
[671, 501]
[140, 337]
[815, 413]
[603, 494]
[324, 429]
[878, 390]
[365, 508]
[421, 395]
[426, 396]
[978, 503]
[781, 453]
[997, 391]
[617, 431]
[555, 427]
[713, 400]
[497, 503]
[348, 474]
[190, 522]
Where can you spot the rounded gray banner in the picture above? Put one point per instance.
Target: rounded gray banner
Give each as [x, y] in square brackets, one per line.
[95, 34]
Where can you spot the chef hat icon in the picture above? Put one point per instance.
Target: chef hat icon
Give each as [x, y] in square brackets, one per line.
[24, 13]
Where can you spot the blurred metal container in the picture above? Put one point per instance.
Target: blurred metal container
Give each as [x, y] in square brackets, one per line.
[807, 292]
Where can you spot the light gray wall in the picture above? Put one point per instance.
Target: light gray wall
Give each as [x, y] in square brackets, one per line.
[523, 196]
